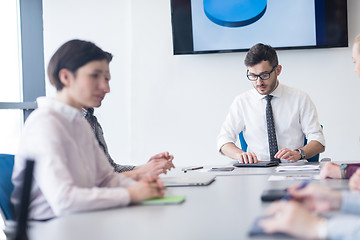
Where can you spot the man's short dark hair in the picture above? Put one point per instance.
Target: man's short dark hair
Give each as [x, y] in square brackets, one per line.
[261, 52]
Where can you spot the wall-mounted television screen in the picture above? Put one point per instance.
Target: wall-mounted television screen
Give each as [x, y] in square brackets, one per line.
[213, 26]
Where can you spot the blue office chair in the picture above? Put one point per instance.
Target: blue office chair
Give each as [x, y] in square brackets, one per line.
[17, 229]
[6, 186]
[244, 146]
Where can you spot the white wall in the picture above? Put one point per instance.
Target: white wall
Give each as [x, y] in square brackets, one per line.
[177, 103]
[107, 23]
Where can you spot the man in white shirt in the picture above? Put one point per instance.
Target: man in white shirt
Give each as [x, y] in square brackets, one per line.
[294, 115]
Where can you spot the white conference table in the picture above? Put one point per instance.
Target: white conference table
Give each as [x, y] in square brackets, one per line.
[225, 209]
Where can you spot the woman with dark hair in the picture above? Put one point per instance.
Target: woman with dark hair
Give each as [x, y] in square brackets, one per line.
[72, 173]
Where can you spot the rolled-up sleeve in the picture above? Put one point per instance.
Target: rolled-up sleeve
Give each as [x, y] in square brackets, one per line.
[351, 169]
[310, 122]
[232, 126]
[350, 202]
[345, 227]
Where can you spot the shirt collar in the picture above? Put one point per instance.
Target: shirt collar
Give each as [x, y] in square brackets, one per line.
[276, 93]
[65, 110]
[87, 111]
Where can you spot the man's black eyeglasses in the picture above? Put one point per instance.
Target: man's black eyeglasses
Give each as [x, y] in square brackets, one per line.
[263, 76]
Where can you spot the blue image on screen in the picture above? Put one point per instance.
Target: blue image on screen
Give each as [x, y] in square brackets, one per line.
[234, 13]
[294, 21]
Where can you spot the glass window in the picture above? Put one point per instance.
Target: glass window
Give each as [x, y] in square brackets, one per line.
[10, 91]
[19, 50]
[11, 120]
[9, 48]
[10, 128]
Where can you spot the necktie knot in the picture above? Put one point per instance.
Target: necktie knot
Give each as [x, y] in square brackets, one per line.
[90, 111]
[268, 97]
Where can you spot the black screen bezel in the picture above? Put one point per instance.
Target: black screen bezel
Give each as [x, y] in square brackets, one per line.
[326, 10]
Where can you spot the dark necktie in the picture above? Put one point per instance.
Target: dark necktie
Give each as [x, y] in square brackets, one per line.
[273, 147]
[89, 115]
[95, 125]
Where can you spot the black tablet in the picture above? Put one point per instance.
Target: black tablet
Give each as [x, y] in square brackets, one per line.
[258, 164]
[270, 195]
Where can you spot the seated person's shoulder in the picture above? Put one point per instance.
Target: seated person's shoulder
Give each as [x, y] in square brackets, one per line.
[295, 92]
[245, 96]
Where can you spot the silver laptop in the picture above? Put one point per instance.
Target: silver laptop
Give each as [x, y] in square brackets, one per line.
[202, 180]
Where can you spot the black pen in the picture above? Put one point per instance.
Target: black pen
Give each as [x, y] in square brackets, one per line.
[191, 168]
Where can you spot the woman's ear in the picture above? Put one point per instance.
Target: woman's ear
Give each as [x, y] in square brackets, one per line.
[65, 76]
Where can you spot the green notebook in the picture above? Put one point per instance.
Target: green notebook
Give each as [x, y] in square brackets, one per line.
[165, 200]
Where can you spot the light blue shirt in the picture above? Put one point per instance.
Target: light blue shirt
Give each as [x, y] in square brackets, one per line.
[346, 227]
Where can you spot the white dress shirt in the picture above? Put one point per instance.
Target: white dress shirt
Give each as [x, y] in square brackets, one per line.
[71, 172]
[294, 114]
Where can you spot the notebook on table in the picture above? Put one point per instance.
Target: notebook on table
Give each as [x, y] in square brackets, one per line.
[258, 164]
[202, 180]
[164, 200]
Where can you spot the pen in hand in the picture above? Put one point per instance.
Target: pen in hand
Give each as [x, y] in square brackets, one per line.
[288, 197]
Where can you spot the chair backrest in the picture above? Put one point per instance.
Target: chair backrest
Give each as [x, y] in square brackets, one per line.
[244, 146]
[314, 158]
[6, 186]
[23, 210]
[243, 143]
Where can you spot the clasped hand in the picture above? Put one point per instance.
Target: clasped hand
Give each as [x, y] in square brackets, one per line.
[158, 164]
[147, 188]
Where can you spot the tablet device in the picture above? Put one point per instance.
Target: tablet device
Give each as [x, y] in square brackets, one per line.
[270, 195]
[201, 180]
[258, 164]
[221, 169]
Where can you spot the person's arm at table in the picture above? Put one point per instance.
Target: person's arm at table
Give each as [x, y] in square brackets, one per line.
[147, 188]
[231, 150]
[311, 128]
[158, 164]
[160, 157]
[294, 219]
[317, 198]
[310, 149]
[354, 182]
[322, 199]
[229, 133]
[332, 170]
